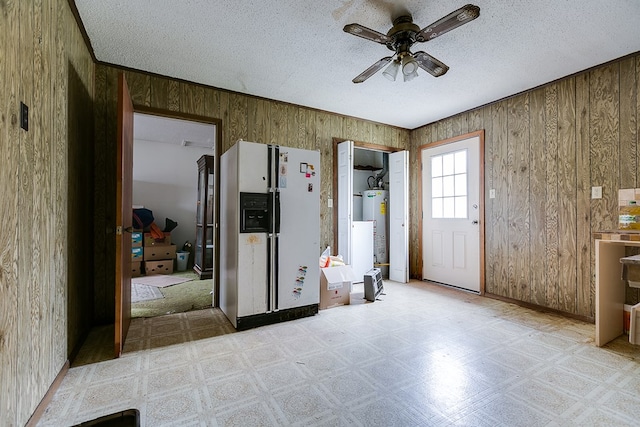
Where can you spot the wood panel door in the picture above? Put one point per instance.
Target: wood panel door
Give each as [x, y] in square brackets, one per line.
[124, 190]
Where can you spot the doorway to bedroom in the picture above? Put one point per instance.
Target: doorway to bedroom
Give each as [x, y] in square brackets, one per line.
[165, 185]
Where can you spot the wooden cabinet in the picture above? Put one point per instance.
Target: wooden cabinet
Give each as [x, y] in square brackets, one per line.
[205, 221]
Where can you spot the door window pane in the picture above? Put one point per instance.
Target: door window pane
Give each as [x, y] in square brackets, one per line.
[448, 164]
[436, 166]
[449, 207]
[436, 187]
[461, 207]
[461, 184]
[460, 162]
[449, 185]
[436, 208]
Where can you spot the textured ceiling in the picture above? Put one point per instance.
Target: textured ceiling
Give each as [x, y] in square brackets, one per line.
[167, 130]
[295, 50]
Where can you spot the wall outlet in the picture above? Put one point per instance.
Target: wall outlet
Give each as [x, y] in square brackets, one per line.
[492, 193]
[596, 192]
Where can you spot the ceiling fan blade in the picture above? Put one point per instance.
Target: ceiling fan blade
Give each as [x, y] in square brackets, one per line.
[451, 21]
[366, 33]
[430, 64]
[372, 70]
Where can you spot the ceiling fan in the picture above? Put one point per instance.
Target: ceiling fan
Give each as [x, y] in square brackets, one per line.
[402, 36]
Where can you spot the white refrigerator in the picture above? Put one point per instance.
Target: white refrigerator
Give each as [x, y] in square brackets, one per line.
[269, 233]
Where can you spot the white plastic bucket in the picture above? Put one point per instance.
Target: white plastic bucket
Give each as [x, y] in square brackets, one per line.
[182, 258]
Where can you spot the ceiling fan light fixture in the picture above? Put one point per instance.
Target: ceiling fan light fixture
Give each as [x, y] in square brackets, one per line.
[400, 39]
[409, 66]
[391, 71]
[410, 76]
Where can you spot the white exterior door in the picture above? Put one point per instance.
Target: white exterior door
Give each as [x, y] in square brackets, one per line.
[345, 199]
[451, 216]
[399, 216]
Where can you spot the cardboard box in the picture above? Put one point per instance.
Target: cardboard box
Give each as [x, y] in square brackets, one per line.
[135, 268]
[335, 286]
[157, 253]
[625, 195]
[136, 239]
[158, 267]
[163, 241]
[137, 254]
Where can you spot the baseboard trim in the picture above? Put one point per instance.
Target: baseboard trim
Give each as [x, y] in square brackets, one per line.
[42, 406]
[540, 308]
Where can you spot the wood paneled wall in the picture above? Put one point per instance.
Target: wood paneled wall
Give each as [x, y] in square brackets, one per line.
[544, 150]
[242, 117]
[44, 63]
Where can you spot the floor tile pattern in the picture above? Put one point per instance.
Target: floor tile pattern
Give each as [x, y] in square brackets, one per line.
[424, 355]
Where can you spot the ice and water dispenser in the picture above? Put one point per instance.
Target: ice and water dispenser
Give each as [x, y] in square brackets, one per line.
[254, 212]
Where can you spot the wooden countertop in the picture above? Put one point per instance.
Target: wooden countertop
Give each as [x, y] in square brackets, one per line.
[623, 235]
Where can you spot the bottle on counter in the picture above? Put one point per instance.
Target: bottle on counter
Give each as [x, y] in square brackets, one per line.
[629, 218]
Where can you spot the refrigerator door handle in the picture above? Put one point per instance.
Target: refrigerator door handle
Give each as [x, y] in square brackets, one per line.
[277, 213]
[269, 273]
[276, 273]
[269, 167]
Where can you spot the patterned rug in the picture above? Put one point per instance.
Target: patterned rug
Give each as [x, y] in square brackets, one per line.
[144, 293]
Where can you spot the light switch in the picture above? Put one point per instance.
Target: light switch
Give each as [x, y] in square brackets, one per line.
[492, 193]
[330, 203]
[596, 192]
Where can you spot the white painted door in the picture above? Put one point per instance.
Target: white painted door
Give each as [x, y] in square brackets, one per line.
[451, 216]
[399, 216]
[345, 199]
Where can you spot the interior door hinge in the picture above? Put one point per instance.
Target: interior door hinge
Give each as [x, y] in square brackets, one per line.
[120, 229]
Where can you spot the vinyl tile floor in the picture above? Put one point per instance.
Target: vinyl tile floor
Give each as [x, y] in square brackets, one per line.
[424, 355]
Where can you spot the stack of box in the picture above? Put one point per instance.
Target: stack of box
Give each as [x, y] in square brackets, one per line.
[159, 254]
[136, 253]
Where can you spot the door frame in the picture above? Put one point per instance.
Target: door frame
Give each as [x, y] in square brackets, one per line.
[216, 177]
[356, 144]
[217, 153]
[481, 209]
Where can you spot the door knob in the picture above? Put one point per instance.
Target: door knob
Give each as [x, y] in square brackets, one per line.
[475, 222]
